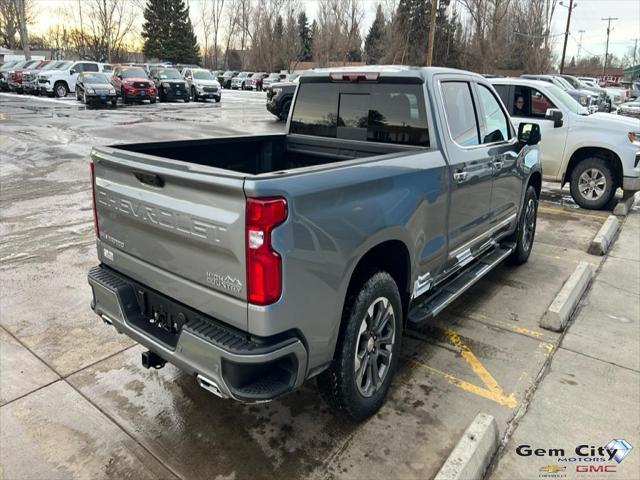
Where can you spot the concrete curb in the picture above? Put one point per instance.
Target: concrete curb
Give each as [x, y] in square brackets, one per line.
[624, 206]
[474, 451]
[604, 238]
[567, 299]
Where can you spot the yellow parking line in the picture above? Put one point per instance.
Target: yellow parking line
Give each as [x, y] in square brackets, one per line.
[569, 213]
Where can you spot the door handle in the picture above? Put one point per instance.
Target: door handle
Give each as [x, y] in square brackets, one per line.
[498, 164]
[460, 176]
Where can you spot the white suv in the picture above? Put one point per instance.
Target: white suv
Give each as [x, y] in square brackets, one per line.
[596, 154]
[61, 82]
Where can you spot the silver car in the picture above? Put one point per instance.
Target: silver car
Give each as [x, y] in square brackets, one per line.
[202, 84]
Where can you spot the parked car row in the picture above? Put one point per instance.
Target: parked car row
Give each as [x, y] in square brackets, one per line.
[94, 82]
[258, 81]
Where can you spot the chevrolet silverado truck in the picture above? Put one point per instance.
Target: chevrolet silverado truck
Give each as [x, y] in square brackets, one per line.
[254, 263]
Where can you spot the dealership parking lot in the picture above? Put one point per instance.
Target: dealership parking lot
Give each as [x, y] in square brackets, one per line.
[76, 402]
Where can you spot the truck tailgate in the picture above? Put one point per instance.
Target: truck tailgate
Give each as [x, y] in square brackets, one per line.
[176, 229]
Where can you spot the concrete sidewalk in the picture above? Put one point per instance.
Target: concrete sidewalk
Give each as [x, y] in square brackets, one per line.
[591, 392]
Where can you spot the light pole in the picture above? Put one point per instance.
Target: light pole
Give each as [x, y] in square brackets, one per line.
[566, 32]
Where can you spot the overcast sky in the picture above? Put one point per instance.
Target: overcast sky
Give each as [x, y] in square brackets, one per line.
[586, 16]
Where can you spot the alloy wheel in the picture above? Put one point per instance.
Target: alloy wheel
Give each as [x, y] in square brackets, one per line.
[592, 184]
[374, 348]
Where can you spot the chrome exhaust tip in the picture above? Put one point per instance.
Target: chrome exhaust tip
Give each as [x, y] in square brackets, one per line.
[210, 386]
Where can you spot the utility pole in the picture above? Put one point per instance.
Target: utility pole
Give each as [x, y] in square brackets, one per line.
[432, 32]
[606, 54]
[580, 44]
[566, 35]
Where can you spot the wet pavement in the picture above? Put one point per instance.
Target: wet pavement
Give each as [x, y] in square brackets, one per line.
[77, 403]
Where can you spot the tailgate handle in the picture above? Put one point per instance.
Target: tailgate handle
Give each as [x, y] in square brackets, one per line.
[150, 179]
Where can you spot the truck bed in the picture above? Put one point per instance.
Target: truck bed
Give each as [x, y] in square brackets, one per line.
[261, 154]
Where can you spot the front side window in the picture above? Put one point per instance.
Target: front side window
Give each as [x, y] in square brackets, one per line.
[386, 113]
[460, 110]
[495, 127]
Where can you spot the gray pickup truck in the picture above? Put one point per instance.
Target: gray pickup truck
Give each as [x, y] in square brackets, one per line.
[257, 262]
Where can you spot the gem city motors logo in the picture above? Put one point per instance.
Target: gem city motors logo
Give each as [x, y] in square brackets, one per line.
[587, 458]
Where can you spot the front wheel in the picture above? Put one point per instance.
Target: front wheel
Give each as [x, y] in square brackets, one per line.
[526, 230]
[367, 354]
[60, 90]
[592, 183]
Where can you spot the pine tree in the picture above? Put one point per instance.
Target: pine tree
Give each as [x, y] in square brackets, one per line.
[168, 32]
[157, 16]
[410, 30]
[183, 42]
[306, 41]
[374, 47]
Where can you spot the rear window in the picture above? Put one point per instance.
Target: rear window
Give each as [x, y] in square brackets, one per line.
[386, 113]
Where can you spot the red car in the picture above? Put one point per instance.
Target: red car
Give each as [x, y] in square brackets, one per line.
[255, 81]
[133, 84]
[14, 76]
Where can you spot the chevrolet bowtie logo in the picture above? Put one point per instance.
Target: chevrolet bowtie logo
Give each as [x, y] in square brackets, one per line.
[552, 469]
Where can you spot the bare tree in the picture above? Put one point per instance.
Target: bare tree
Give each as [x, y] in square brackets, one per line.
[104, 28]
[22, 22]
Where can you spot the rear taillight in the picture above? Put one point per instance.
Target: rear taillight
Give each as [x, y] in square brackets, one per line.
[93, 199]
[264, 264]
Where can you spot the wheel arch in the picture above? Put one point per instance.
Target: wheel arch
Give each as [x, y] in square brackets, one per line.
[583, 153]
[391, 256]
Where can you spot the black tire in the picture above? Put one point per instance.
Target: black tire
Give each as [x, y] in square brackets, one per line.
[217, 99]
[124, 96]
[592, 183]
[60, 89]
[339, 384]
[114, 102]
[526, 231]
[186, 99]
[152, 100]
[285, 110]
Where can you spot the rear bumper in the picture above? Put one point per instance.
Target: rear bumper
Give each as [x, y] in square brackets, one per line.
[226, 361]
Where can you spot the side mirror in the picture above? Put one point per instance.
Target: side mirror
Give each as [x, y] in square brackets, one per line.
[529, 133]
[119, 76]
[555, 115]
[73, 71]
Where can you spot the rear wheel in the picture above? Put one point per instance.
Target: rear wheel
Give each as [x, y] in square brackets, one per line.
[526, 230]
[592, 183]
[367, 354]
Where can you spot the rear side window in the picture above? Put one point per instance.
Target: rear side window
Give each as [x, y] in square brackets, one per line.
[89, 67]
[386, 113]
[460, 110]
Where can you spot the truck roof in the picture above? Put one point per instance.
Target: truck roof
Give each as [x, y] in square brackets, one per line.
[395, 71]
[527, 82]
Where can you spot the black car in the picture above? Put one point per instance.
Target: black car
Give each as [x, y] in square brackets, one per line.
[170, 84]
[279, 96]
[95, 88]
[225, 78]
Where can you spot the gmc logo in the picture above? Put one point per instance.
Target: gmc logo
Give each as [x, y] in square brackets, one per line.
[596, 468]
